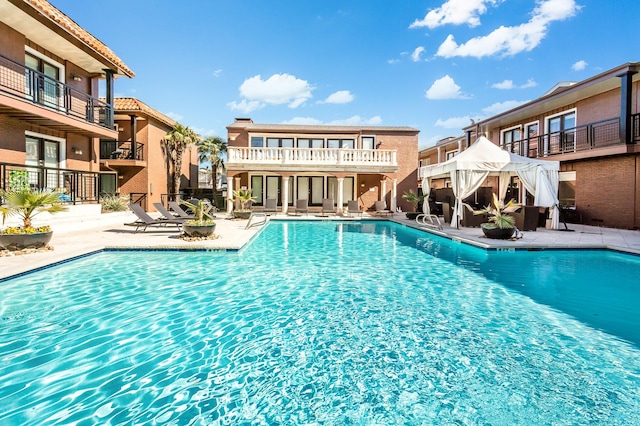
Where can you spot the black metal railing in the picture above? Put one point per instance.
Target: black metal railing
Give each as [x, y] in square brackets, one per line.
[33, 86]
[578, 139]
[77, 186]
[138, 198]
[114, 150]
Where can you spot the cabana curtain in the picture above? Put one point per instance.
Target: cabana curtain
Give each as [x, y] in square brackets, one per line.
[471, 167]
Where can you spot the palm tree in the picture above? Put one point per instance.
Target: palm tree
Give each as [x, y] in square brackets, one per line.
[173, 146]
[211, 149]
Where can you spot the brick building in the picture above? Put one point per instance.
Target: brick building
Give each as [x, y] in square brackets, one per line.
[51, 118]
[291, 162]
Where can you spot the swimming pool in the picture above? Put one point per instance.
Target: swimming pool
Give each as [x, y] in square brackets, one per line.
[324, 323]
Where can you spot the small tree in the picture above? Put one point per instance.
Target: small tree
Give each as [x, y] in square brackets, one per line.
[26, 204]
[211, 150]
[245, 196]
[413, 198]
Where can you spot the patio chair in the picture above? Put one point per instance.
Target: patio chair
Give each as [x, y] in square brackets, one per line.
[353, 208]
[144, 220]
[381, 209]
[328, 207]
[302, 206]
[271, 206]
[470, 220]
[180, 211]
[166, 214]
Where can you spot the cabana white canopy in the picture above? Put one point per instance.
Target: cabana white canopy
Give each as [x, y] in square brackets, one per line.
[483, 158]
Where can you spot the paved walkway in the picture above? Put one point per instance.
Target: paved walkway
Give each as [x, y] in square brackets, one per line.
[108, 231]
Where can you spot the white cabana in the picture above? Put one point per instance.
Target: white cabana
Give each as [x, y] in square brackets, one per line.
[483, 158]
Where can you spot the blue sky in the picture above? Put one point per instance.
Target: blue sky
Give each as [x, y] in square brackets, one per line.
[432, 65]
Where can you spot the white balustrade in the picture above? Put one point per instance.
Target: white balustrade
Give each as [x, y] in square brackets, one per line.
[312, 156]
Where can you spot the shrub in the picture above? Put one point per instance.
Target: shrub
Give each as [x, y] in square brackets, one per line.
[114, 202]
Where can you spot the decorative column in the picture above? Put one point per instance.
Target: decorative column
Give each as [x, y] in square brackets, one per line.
[394, 195]
[229, 195]
[285, 194]
[383, 188]
[439, 149]
[340, 200]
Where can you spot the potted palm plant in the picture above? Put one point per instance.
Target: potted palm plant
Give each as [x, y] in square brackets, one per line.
[26, 204]
[415, 201]
[202, 225]
[245, 196]
[501, 224]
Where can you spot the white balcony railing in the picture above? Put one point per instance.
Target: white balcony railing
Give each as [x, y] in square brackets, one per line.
[311, 156]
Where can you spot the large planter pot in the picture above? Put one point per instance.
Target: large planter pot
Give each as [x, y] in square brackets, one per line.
[490, 231]
[199, 230]
[242, 214]
[23, 241]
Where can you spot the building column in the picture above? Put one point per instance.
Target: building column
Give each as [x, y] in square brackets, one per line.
[134, 131]
[110, 97]
[340, 200]
[383, 189]
[626, 96]
[439, 149]
[285, 194]
[229, 195]
[459, 146]
[394, 195]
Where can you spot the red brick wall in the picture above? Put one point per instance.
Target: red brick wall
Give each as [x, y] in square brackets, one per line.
[607, 191]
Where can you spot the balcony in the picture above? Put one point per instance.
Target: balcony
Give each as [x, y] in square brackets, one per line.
[31, 96]
[117, 153]
[312, 159]
[578, 142]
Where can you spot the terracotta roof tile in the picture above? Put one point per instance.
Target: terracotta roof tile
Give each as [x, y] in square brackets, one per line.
[134, 105]
[67, 24]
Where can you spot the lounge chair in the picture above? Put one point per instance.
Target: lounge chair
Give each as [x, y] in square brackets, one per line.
[381, 209]
[353, 208]
[302, 206]
[328, 207]
[145, 220]
[166, 214]
[271, 206]
[471, 220]
[180, 211]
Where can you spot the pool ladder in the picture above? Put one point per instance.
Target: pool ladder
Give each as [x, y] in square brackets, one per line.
[430, 221]
[257, 215]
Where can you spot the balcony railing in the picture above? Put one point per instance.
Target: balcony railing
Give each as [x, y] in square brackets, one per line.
[312, 156]
[79, 186]
[578, 139]
[114, 150]
[33, 86]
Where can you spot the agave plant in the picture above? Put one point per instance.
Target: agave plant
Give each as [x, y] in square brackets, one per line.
[26, 204]
[201, 212]
[498, 213]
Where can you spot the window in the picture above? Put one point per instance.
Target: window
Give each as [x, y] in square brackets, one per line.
[450, 154]
[561, 133]
[340, 143]
[567, 189]
[280, 142]
[531, 141]
[43, 85]
[310, 143]
[347, 189]
[368, 142]
[257, 188]
[257, 141]
[511, 140]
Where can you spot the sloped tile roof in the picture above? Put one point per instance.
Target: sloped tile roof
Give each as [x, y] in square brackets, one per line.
[75, 30]
[125, 105]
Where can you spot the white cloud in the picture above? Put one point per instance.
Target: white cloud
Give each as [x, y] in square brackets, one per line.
[393, 61]
[508, 84]
[579, 66]
[455, 12]
[276, 90]
[504, 85]
[216, 73]
[509, 41]
[339, 97]
[499, 107]
[445, 88]
[174, 116]
[455, 122]
[415, 56]
[246, 106]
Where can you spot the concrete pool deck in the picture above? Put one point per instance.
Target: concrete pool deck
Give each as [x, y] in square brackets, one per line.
[107, 231]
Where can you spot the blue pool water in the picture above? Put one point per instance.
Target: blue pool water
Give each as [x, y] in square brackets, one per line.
[325, 323]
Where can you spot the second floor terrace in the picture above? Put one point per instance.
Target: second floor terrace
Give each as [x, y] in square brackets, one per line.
[312, 159]
[35, 97]
[125, 153]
